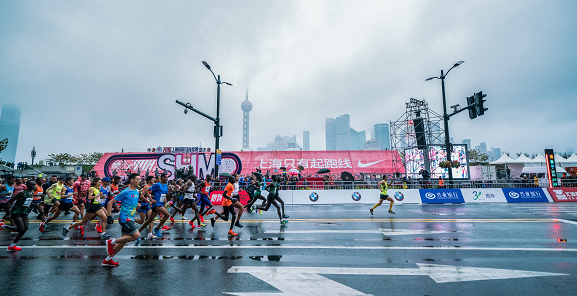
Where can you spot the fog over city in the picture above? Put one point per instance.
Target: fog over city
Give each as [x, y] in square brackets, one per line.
[104, 76]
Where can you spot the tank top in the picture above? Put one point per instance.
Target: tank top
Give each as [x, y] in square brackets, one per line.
[114, 189]
[384, 188]
[38, 193]
[189, 193]
[106, 192]
[9, 190]
[96, 200]
[143, 199]
[57, 190]
[22, 204]
[206, 188]
[68, 199]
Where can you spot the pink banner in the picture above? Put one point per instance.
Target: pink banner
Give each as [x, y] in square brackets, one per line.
[201, 164]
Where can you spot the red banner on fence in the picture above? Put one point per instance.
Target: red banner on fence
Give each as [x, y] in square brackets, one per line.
[216, 197]
[563, 194]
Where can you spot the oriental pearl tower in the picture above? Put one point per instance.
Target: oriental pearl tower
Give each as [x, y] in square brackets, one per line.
[246, 107]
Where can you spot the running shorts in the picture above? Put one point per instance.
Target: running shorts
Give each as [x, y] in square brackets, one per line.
[384, 196]
[144, 208]
[65, 206]
[156, 206]
[128, 227]
[188, 201]
[93, 208]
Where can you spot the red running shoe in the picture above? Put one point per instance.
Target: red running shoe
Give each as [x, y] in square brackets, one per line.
[110, 263]
[172, 219]
[211, 212]
[81, 230]
[232, 233]
[42, 227]
[201, 219]
[98, 228]
[109, 247]
[78, 227]
[191, 224]
[13, 249]
[165, 227]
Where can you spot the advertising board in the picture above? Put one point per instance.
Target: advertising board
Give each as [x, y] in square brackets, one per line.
[563, 194]
[525, 195]
[216, 197]
[432, 196]
[480, 195]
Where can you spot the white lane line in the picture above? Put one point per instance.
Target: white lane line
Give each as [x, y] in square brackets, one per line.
[565, 221]
[322, 205]
[321, 231]
[315, 247]
[385, 231]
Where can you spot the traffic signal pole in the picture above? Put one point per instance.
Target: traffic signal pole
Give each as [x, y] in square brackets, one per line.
[448, 146]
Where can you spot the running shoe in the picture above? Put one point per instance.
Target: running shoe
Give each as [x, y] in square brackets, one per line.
[98, 228]
[183, 218]
[285, 216]
[2, 224]
[211, 212]
[109, 247]
[137, 242]
[232, 233]
[13, 249]
[260, 212]
[201, 225]
[283, 222]
[42, 227]
[371, 210]
[166, 228]
[151, 236]
[250, 209]
[238, 225]
[191, 224]
[77, 227]
[81, 230]
[391, 212]
[172, 219]
[201, 218]
[104, 236]
[65, 231]
[157, 233]
[110, 263]
[212, 222]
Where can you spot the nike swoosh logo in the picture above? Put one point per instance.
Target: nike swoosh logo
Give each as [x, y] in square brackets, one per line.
[364, 165]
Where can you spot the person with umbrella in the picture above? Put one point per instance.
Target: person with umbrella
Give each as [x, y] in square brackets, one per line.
[384, 186]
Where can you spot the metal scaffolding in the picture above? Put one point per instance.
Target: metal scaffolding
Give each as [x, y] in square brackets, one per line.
[403, 135]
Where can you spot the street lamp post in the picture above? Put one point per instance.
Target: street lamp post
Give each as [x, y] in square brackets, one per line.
[448, 146]
[217, 126]
[33, 154]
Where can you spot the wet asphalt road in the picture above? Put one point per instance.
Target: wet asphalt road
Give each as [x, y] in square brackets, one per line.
[472, 249]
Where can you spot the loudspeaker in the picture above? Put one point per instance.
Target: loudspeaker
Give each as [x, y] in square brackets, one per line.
[420, 133]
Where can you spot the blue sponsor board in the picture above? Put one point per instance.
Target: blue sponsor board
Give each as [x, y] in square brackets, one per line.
[441, 196]
[525, 195]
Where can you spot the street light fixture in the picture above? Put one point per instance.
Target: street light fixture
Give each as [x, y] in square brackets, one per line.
[217, 126]
[448, 146]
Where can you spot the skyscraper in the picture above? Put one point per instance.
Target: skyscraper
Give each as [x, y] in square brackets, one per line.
[246, 107]
[358, 139]
[10, 128]
[331, 134]
[343, 126]
[382, 135]
[306, 141]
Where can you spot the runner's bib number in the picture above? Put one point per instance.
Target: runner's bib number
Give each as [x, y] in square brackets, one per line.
[162, 197]
[28, 202]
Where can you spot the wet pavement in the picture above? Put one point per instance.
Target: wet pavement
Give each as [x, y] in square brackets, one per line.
[469, 249]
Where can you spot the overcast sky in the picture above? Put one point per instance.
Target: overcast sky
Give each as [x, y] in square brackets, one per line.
[104, 75]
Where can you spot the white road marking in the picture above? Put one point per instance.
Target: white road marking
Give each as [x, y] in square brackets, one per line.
[565, 221]
[322, 205]
[385, 231]
[314, 247]
[306, 280]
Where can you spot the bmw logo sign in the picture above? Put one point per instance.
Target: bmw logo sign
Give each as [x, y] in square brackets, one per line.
[314, 197]
[356, 196]
[399, 196]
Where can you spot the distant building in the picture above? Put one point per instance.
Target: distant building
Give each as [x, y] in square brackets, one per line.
[306, 141]
[261, 149]
[357, 139]
[382, 136]
[467, 142]
[283, 143]
[372, 144]
[9, 129]
[331, 134]
[343, 132]
[482, 148]
[246, 107]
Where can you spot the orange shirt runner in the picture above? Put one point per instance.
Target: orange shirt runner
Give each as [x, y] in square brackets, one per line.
[228, 191]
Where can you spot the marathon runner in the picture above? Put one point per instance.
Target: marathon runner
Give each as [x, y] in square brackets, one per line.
[115, 190]
[66, 203]
[384, 186]
[236, 200]
[6, 191]
[19, 213]
[189, 201]
[106, 194]
[37, 203]
[159, 191]
[206, 206]
[227, 206]
[144, 208]
[81, 188]
[128, 199]
[93, 209]
[54, 194]
[272, 188]
[254, 191]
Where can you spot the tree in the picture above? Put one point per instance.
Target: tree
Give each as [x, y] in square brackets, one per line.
[3, 144]
[477, 156]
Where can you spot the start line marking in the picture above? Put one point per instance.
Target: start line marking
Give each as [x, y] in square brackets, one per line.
[312, 247]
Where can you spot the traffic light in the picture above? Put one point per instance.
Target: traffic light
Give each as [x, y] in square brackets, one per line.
[473, 109]
[479, 103]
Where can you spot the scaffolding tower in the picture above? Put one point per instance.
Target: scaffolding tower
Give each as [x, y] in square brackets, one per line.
[403, 136]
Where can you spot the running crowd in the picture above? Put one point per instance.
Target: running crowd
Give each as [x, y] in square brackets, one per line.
[98, 199]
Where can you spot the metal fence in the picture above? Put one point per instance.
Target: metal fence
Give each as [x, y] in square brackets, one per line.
[421, 184]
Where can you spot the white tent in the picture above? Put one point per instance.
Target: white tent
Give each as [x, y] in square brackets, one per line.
[540, 158]
[572, 158]
[541, 170]
[523, 159]
[559, 158]
[503, 160]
